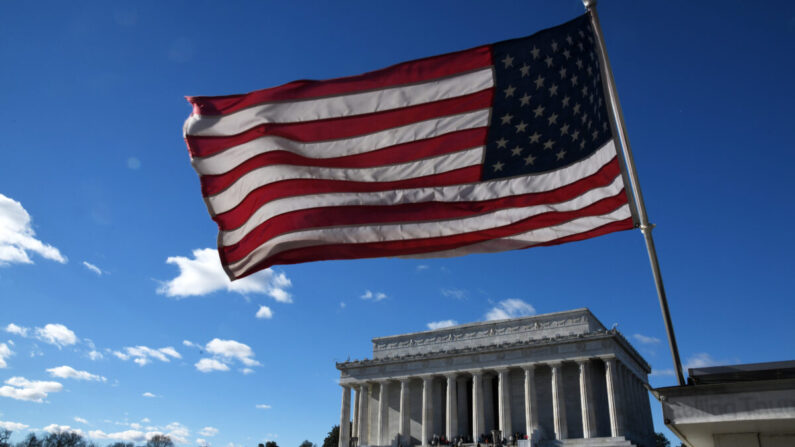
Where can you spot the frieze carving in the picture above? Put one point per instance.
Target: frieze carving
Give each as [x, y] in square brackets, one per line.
[475, 335]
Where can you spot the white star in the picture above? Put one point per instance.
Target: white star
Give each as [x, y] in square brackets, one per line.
[535, 137]
[548, 60]
[579, 44]
[506, 119]
[553, 90]
[539, 82]
[554, 46]
[501, 143]
[585, 90]
[582, 144]
[553, 119]
[538, 111]
[525, 100]
[569, 39]
[525, 69]
[520, 127]
[595, 134]
[574, 80]
[577, 108]
[589, 70]
[548, 144]
[566, 54]
[566, 100]
[579, 64]
[562, 73]
[509, 91]
[498, 166]
[584, 117]
[516, 151]
[508, 61]
[529, 159]
[575, 135]
[535, 52]
[561, 154]
[564, 129]
[582, 34]
[604, 125]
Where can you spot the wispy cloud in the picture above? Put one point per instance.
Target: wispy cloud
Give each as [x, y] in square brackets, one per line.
[143, 355]
[5, 352]
[377, 296]
[81, 420]
[67, 372]
[149, 395]
[13, 426]
[17, 330]
[20, 388]
[441, 324]
[458, 294]
[263, 406]
[203, 274]
[54, 334]
[209, 365]
[93, 268]
[17, 238]
[645, 339]
[208, 431]
[510, 308]
[422, 267]
[55, 428]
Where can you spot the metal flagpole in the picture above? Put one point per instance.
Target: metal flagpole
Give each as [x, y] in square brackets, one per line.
[619, 128]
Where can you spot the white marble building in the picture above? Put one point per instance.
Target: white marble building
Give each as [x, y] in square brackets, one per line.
[560, 378]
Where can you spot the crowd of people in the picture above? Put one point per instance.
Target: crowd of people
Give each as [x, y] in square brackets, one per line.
[484, 439]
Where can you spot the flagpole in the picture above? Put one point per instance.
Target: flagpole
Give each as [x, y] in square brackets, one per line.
[642, 219]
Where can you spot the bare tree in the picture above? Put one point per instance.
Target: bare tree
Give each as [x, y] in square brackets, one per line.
[159, 441]
[5, 435]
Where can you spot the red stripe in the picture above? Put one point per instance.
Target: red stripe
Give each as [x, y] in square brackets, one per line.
[344, 127]
[419, 70]
[431, 245]
[401, 153]
[300, 187]
[410, 212]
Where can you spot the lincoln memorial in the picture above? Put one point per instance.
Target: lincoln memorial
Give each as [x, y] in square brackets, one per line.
[555, 379]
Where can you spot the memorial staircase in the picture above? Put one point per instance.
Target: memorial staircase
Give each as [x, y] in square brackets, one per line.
[589, 442]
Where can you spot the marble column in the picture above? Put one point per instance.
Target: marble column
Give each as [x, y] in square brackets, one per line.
[345, 417]
[404, 425]
[451, 408]
[504, 402]
[530, 401]
[383, 408]
[628, 412]
[364, 400]
[356, 399]
[586, 402]
[478, 418]
[427, 410]
[613, 398]
[558, 402]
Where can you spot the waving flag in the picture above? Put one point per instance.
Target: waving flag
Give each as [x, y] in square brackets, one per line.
[499, 147]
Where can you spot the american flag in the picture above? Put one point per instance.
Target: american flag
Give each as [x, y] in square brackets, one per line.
[499, 147]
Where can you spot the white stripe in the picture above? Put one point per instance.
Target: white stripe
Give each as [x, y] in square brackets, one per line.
[339, 106]
[534, 237]
[468, 192]
[232, 157]
[432, 229]
[232, 196]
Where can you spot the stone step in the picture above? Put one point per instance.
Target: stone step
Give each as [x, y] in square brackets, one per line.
[590, 442]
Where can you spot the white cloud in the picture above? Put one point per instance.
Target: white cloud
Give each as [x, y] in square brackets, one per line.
[662, 372]
[95, 355]
[422, 267]
[55, 428]
[14, 329]
[5, 352]
[263, 406]
[646, 340]
[202, 442]
[441, 324]
[231, 349]
[67, 372]
[143, 355]
[377, 296]
[190, 344]
[264, 312]
[700, 360]
[177, 432]
[148, 394]
[17, 238]
[458, 294]
[56, 334]
[13, 426]
[21, 388]
[127, 435]
[247, 371]
[510, 308]
[203, 275]
[81, 420]
[208, 431]
[209, 365]
[342, 304]
[93, 268]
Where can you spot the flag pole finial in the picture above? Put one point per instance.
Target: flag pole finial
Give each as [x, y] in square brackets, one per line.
[589, 3]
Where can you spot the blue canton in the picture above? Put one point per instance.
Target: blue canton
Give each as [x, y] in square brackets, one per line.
[549, 109]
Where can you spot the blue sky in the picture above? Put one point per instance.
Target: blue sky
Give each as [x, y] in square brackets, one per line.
[107, 328]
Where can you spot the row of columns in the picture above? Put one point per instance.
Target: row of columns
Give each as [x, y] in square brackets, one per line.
[616, 380]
